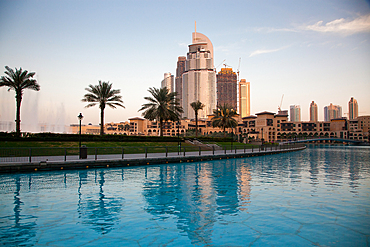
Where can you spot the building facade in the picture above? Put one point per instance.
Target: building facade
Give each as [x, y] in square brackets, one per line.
[227, 88]
[331, 112]
[168, 82]
[180, 69]
[268, 126]
[313, 112]
[244, 98]
[352, 109]
[199, 78]
[295, 113]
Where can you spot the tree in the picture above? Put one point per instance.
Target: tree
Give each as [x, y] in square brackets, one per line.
[223, 117]
[18, 81]
[102, 94]
[163, 106]
[197, 105]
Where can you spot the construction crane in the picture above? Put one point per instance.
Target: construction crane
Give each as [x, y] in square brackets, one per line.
[226, 65]
[281, 102]
[220, 64]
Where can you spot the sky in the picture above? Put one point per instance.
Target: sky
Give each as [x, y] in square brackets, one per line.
[305, 50]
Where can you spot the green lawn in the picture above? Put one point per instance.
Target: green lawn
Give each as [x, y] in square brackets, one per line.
[18, 149]
[33, 144]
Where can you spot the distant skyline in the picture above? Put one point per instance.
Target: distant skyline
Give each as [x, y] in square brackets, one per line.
[307, 50]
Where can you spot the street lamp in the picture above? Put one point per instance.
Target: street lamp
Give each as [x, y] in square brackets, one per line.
[80, 117]
[232, 138]
[178, 137]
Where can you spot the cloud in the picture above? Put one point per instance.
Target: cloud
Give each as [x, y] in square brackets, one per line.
[342, 26]
[259, 52]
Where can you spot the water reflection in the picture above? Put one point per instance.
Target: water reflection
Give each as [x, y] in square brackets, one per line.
[196, 197]
[101, 213]
[20, 227]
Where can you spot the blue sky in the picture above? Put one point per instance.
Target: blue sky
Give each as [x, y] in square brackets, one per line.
[306, 50]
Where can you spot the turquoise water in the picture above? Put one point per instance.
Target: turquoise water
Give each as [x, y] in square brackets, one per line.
[319, 196]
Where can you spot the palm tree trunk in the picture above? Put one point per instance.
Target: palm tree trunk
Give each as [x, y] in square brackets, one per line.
[18, 115]
[102, 121]
[196, 124]
[160, 127]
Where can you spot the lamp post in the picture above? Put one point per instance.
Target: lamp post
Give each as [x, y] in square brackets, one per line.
[178, 137]
[80, 117]
[232, 138]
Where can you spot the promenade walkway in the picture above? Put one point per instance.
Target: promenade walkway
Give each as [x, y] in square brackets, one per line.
[43, 163]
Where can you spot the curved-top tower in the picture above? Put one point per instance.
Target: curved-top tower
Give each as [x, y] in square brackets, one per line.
[199, 78]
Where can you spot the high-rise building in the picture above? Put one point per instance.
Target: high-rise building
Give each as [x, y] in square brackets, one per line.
[199, 78]
[331, 112]
[313, 112]
[168, 82]
[244, 98]
[352, 109]
[295, 113]
[178, 79]
[227, 87]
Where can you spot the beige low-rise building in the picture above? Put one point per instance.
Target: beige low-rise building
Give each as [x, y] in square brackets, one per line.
[269, 126]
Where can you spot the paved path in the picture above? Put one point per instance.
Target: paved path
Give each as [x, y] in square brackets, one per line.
[142, 156]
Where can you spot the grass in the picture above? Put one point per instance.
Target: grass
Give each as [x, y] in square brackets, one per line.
[34, 144]
[237, 145]
[21, 149]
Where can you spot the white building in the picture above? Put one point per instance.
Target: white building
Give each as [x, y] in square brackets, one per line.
[168, 82]
[199, 78]
[295, 113]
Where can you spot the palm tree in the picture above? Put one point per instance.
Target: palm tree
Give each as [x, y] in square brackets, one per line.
[102, 94]
[18, 81]
[163, 106]
[197, 105]
[223, 117]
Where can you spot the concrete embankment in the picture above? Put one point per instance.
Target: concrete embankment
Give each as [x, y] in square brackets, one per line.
[127, 162]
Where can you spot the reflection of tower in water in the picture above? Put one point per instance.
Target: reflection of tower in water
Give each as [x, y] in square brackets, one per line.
[184, 192]
[244, 177]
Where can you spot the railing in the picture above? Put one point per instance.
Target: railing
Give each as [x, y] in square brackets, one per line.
[50, 154]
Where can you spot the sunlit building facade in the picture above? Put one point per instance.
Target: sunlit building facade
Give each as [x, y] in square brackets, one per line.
[227, 88]
[352, 109]
[180, 69]
[313, 112]
[168, 82]
[199, 78]
[244, 98]
[295, 113]
[331, 112]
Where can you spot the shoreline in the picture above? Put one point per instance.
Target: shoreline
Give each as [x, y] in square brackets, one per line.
[127, 162]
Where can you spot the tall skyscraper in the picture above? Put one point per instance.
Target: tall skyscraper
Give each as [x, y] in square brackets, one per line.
[332, 112]
[168, 82]
[244, 98]
[178, 79]
[227, 87]
[352, 109]
[313, 112]
[199, 78]
[295, 113]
